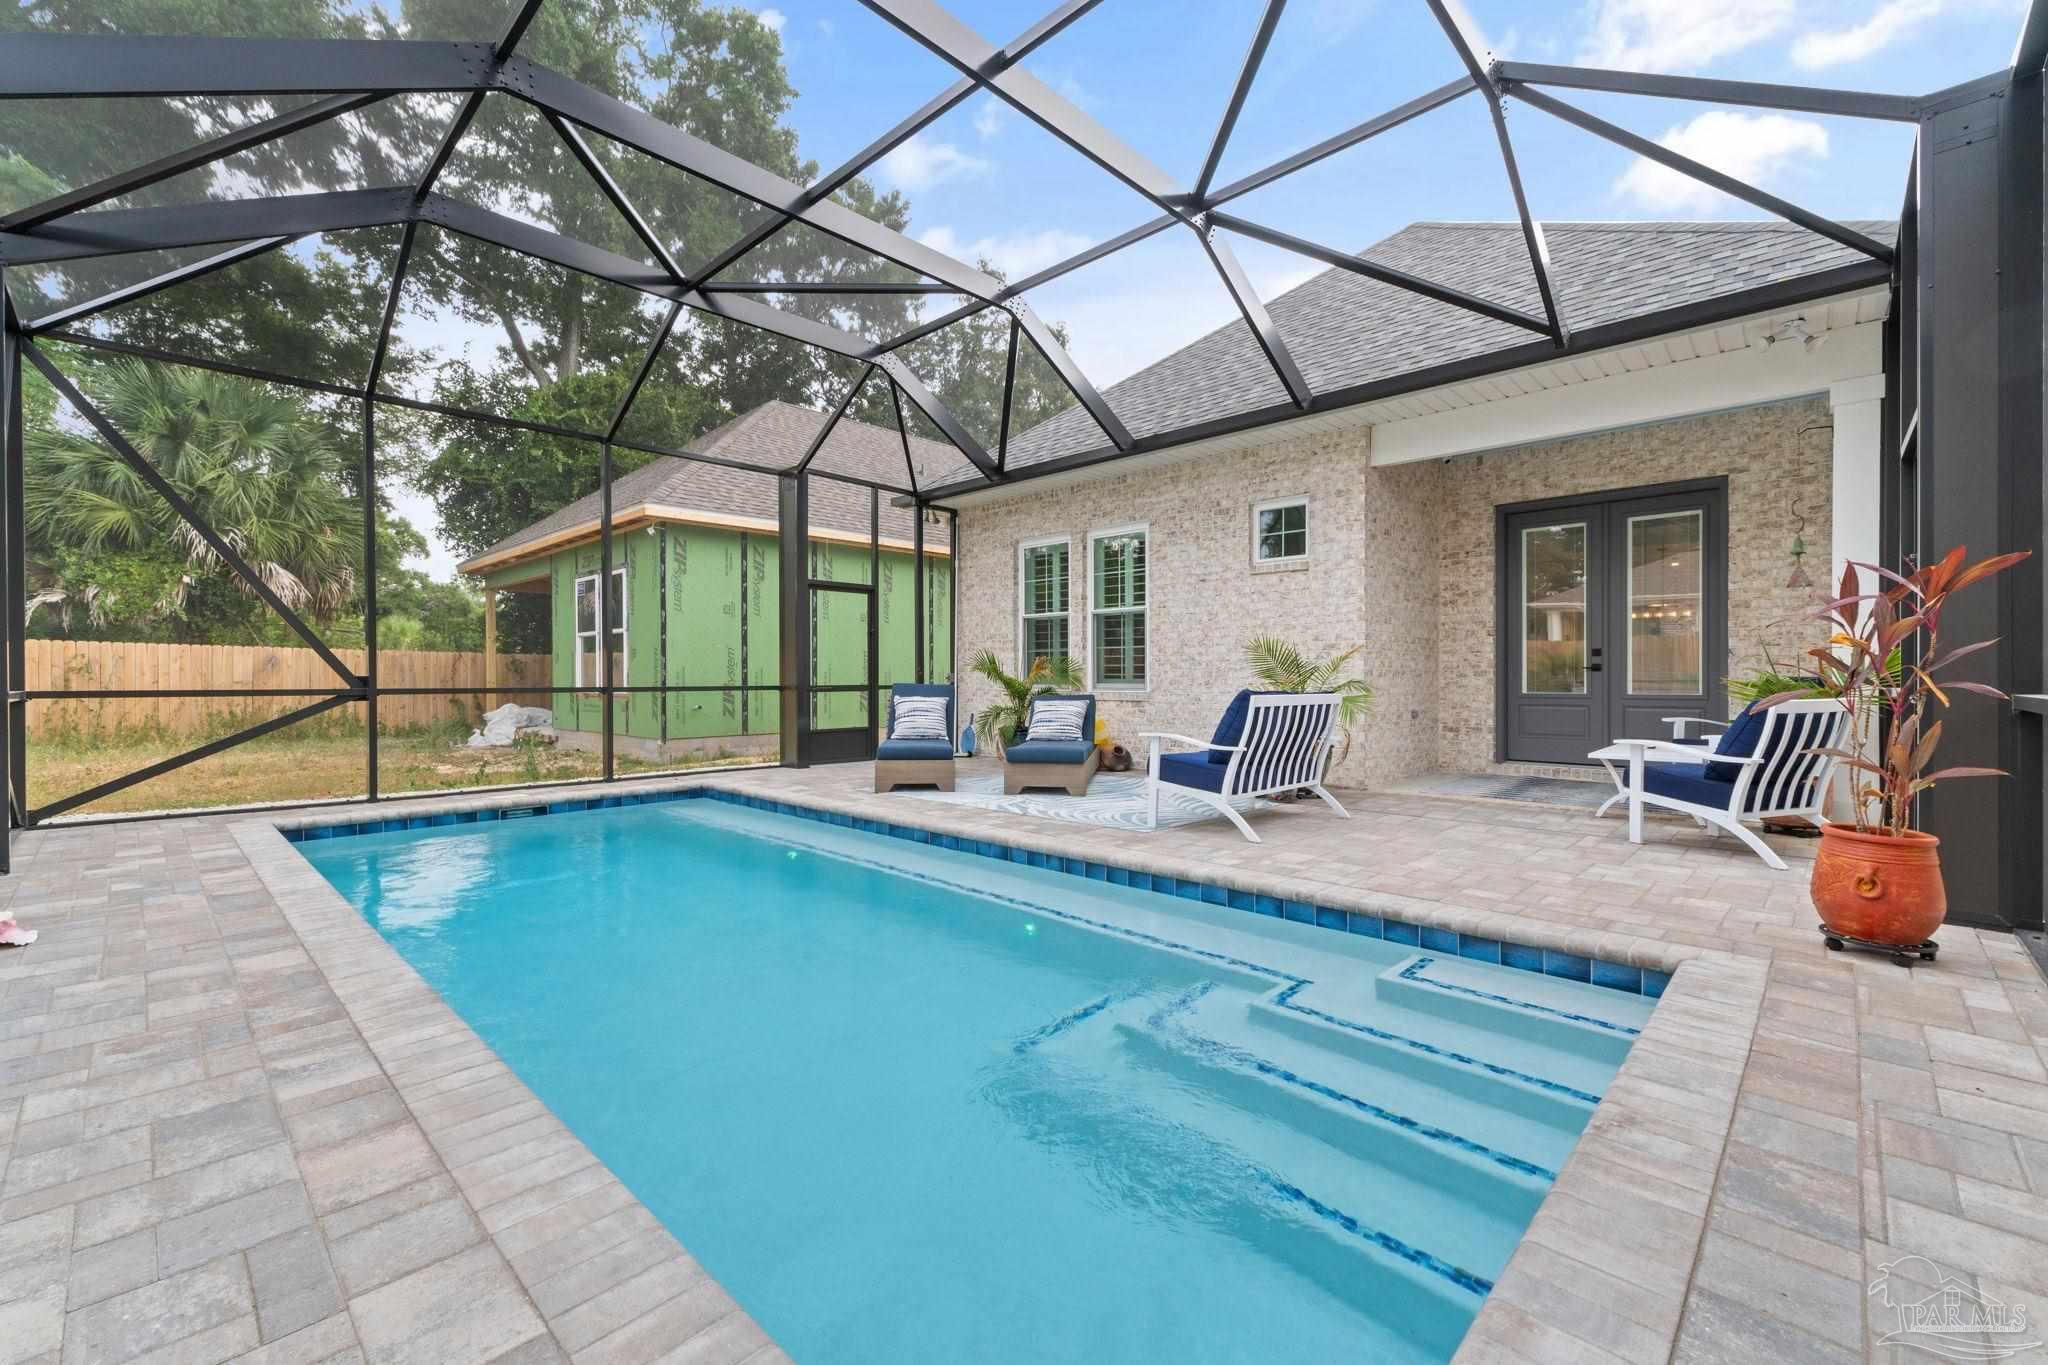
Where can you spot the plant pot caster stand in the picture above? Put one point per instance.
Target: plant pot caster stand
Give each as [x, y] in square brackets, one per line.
[1904, 954]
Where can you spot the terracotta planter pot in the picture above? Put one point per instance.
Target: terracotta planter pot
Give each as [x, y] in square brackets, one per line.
[1881, 888]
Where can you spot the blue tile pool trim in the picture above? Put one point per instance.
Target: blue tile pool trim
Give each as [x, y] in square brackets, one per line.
[1413, 972]
[1069, 1020]
[1292, 985]
[1543, 961]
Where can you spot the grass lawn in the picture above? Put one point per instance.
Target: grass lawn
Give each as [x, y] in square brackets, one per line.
[296, 766]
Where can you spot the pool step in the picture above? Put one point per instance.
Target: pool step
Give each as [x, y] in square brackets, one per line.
[1181, 1154]
[1452, 990]
[1423, 1185]
[1479, 1083]
[1298, 1110]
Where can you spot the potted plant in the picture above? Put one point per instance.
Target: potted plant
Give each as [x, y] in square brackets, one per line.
[1878, 879]
[1278, 666]
[999, 724]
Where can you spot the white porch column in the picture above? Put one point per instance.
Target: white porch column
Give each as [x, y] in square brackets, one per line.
[1859, 438]
[1858, 406]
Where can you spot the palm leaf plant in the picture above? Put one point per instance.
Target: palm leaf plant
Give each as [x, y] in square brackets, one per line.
[255, 463]
[1000, 723]
[1279, 666]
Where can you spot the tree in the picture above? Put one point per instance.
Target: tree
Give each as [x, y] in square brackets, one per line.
[261, 471]
[964, 366]
[413, 611]
[712, 71]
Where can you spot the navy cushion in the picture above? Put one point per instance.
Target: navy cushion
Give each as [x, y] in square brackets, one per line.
[1190, 770]
[1688, 782]
[1087, 720]
[913, 750]
[927, 690]
[1048, 751]
[1230, 730]
[1737, 741]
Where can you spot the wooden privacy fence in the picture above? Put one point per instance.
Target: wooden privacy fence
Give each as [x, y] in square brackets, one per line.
[91, 665]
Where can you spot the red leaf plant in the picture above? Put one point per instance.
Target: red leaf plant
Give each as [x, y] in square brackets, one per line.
[1885, 686]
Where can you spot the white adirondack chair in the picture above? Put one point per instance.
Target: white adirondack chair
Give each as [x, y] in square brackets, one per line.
[1284, 747]
[1785, 775]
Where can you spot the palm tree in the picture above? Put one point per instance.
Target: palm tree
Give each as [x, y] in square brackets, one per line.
[259, 469]
[1001, 722]
[1280, 667]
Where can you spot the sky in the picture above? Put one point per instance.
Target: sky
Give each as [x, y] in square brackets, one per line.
[984, 182]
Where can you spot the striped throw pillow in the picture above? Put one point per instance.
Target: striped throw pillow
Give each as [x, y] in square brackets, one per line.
[918, 718]
[1058, 720]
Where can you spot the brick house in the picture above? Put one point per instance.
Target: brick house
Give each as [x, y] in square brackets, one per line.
[1445, 528]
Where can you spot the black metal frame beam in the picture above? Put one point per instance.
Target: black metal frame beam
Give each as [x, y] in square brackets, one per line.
[598, 171]
[838, 411]
[177, 761]
[1706, 175]
[115, 232]
[1804, 99]
[177, 163]
[1385, 274]
[945, 36]
[1248, 72]
[1532, 231]
[142, 289]
[56, 65]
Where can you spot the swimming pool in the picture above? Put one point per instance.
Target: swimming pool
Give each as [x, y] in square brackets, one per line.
[909, 1104]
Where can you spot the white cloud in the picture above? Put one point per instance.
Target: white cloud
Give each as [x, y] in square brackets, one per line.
[988, 117]
[826, 28]
[772, 19]
[923, 162]
[1892, 21]
[1678, 35]
[1016, 254]
[1756, 148]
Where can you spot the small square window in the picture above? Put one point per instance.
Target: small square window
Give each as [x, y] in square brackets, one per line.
[1280, 531]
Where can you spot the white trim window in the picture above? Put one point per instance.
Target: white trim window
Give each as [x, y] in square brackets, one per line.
[1118, 609]
[1044, 627]
[1280, 531]
[587, 668]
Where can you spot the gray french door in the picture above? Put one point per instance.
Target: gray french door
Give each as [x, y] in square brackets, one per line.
[1613, 618]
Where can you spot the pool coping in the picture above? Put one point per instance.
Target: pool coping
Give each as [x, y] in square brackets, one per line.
[1610, 1254]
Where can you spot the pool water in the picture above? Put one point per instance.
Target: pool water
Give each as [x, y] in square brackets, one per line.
[911, 1105]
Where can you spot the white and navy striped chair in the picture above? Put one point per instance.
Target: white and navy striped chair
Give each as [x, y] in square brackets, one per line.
[1266, 743]
[1779, 774]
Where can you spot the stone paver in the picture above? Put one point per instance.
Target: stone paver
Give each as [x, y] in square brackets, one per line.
[235, 1125]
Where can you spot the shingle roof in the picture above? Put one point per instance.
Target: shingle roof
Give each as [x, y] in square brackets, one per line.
[1344, 329]
[774, 435]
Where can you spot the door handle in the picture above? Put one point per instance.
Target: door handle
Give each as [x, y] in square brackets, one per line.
[1594, 667]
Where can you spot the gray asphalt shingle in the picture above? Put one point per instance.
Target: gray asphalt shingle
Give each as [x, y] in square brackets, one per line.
[1344, 329]
[774, 435]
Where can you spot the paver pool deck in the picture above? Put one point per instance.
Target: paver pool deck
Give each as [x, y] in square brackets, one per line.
[235, 1125]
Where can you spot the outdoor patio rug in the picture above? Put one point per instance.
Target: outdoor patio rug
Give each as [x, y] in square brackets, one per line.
[1114, 800]
[1542, 791]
